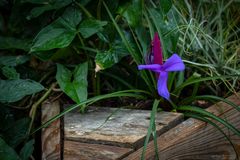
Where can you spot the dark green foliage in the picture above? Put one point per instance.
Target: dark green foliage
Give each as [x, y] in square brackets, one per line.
[14, 90]
[90, 47]
[6, 152]
[13, 134]
[17, 132]
[27, 150]
[74, 84]
[90, 27]
[106, 59]
[13, 60]
[10, 72]
[58, 34]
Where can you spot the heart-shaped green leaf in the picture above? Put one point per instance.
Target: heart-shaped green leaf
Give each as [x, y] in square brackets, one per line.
[58, 34]
[27, 150]
[90, 26]
[46, 6]
[74, 84]
[133, 12]
[106, 59]
[14, 90]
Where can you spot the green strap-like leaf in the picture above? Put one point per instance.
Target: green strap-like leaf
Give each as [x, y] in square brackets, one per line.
[201, 118]
[130, 49]
[197, 80]
[151, 130]
[210, 98]
[125, 93]
[210, 115]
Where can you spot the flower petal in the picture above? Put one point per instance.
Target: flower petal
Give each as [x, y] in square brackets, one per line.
[162, 85]
[157, 50]
[151, 67]
[174, 63]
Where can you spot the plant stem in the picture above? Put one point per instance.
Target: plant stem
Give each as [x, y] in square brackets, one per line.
[32, 113]
[80, 39]
[88, 14]
[99, 6]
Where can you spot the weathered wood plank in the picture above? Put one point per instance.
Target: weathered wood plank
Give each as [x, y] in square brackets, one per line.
[76, 150]
[124, 127]
[194, 139]
[51, 149]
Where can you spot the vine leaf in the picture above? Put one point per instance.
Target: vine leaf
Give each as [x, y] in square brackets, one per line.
[14, 90]
[58, 34]
[74, 84]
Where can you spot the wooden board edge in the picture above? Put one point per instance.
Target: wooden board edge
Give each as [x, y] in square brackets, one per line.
[51, 135]
[73, 150]
[191, 125]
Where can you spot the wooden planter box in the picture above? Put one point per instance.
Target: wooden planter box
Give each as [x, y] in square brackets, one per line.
[114, 134]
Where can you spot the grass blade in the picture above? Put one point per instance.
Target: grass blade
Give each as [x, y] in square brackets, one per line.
[210, 98]
[201, 118]
[134, 54]
[126, 93]
[197, 80]
[205, 113]
[151, 130]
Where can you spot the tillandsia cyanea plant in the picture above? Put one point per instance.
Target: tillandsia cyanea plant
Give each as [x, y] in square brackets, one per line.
[174, 63]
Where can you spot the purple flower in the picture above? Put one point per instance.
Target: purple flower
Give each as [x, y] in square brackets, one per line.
[174, 63]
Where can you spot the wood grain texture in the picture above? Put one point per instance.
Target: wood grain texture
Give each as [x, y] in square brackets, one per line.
[84, 151]
[196, 140]
[124, 127]
[51, 135]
